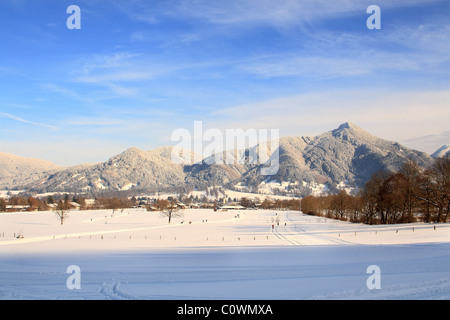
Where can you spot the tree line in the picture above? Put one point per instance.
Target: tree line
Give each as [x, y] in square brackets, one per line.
[408, 195]
[272, 204]
[65, 202]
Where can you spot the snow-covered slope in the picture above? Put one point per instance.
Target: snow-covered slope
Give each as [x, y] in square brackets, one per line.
[442, 152]
[219, 255]
[132, 169]
[16, 171]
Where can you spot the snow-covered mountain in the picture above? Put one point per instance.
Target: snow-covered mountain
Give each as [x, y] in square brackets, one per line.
[17, 171]
[132, 169]
[347, 155]
[442, 152]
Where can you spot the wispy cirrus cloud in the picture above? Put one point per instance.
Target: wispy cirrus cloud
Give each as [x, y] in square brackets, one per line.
[381, 111]
[19, 119]
[317, 53]
[94, 62]
[280, 13]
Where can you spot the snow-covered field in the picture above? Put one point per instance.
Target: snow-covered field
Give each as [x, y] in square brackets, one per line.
[219, 255]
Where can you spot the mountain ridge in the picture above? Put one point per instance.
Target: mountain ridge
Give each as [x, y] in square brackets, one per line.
[347, 154]
[21, 170]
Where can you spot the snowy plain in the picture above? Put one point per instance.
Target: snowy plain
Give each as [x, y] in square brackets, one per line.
[204, 254]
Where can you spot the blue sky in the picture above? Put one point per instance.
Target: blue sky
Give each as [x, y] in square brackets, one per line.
[137, 70]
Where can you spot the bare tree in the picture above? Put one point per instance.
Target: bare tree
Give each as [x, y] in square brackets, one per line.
[340, 204]
[115, 204]
[440, 181]
[2, 204]
[370, 196]
[392, 199]
[170, 209]
[425, 194]
[409, 182]
[61, 211]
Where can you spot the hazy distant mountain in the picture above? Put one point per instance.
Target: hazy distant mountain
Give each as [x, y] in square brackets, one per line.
[16, 171]
[429, 143]
[442, 152]
[347, 154]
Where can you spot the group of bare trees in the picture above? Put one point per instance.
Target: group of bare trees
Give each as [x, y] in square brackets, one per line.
[405, 196]
[29, 203]
[272, 204]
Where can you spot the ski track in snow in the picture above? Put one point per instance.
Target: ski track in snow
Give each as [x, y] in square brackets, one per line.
[283, 237]
[289, 233]
[112, 291]
[437, 290]
[287, 236]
